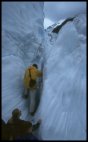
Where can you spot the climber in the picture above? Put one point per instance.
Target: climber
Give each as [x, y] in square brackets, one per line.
[19, 127]
[28, 135]
[30, 85]
[16, 113]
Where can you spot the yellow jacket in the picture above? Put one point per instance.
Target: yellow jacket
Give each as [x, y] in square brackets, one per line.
[35, 73]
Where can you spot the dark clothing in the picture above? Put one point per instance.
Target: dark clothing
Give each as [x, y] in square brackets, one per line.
[19, 128]
[5, 133]
[27, 137]
[36, 126]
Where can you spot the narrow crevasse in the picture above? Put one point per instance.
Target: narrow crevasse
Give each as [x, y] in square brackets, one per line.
[62, 58]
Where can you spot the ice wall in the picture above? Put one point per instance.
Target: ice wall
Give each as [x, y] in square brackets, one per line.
[22, 42]
[63, 103]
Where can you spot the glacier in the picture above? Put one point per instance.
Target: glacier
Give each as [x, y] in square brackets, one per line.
[22, 42]
[63, 103]
[62, 58]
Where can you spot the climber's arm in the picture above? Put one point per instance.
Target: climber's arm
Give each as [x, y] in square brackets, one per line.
[40, 74]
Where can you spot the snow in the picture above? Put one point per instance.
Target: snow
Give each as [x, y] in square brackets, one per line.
[62, 57]
[59, 23]
[47, 23]
[22, 43]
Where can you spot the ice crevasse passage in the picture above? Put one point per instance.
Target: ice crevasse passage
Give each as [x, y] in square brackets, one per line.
[63, 97]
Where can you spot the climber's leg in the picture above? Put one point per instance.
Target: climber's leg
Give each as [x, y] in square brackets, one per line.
[32, 101]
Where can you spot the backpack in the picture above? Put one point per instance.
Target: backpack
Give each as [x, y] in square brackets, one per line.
[32, 81]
